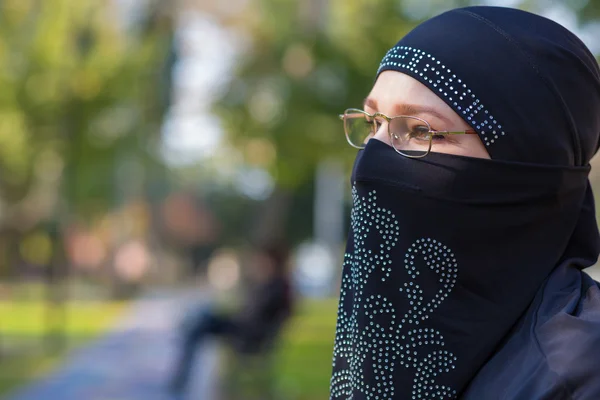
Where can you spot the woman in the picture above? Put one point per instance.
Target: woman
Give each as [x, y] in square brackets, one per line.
[473, 217]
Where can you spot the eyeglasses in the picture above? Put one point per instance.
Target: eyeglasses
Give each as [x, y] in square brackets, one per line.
[410, 136]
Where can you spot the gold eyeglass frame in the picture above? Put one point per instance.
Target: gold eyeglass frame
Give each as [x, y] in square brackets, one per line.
[431, 131]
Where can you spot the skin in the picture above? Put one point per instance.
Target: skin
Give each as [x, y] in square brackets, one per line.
[261, 267]
[395, 93]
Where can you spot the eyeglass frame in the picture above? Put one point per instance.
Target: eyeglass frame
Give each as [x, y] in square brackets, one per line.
[431, 131]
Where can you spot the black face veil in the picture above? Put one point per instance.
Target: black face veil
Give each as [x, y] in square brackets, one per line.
[446, 252]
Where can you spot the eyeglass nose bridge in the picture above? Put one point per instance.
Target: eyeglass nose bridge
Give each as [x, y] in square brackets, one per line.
[386, 129]
[382, 115]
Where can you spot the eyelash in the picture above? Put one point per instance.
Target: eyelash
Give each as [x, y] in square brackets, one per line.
[436, 137]
[439, 137]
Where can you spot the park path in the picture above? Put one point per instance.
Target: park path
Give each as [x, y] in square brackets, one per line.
[132, 362]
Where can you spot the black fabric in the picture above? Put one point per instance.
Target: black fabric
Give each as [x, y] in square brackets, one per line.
[553, 353]
[447, 253]
[534, 77]
[266, 309]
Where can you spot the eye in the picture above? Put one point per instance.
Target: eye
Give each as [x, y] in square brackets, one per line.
[419, 132]
[378, 122]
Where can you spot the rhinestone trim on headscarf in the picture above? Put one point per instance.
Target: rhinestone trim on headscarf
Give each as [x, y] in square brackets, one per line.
[446, 84]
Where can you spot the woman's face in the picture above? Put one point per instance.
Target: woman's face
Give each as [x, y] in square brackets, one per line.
[396, 93]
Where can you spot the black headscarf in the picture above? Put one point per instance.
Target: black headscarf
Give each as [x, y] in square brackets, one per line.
[447, 252]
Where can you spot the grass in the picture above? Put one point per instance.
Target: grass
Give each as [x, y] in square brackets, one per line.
[80, 318]
[303, 368]
[23, 328]
[18, 370]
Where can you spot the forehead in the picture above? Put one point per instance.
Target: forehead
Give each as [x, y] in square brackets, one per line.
[394, 88]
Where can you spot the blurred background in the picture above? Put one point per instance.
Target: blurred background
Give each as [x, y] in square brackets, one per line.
[174, 177]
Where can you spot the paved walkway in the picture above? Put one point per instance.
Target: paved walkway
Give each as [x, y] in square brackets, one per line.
[132, 362]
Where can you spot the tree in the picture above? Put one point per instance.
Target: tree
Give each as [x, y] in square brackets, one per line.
[306, 62]
[83, 97]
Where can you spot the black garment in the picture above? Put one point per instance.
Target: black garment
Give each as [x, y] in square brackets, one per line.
[552, 353]
[447, 253]
[528, 86]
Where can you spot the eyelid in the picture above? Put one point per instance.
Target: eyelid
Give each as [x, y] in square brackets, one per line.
[426, 116]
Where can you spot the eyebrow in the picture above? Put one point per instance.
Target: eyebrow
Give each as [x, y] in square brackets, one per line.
[409, 109]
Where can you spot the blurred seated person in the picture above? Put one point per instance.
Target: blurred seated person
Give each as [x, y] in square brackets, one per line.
[266, 305]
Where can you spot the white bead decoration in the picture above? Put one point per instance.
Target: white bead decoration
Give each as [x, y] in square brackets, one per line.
[372, 336]
[434, 73]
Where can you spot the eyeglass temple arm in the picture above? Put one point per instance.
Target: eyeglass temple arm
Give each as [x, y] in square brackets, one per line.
[467, 132]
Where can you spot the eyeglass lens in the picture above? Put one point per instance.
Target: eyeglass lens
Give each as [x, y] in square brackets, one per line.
[410, 136]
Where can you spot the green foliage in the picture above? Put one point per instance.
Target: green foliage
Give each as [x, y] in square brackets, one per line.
[587, 10]
[78, 92]
[300, 72]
